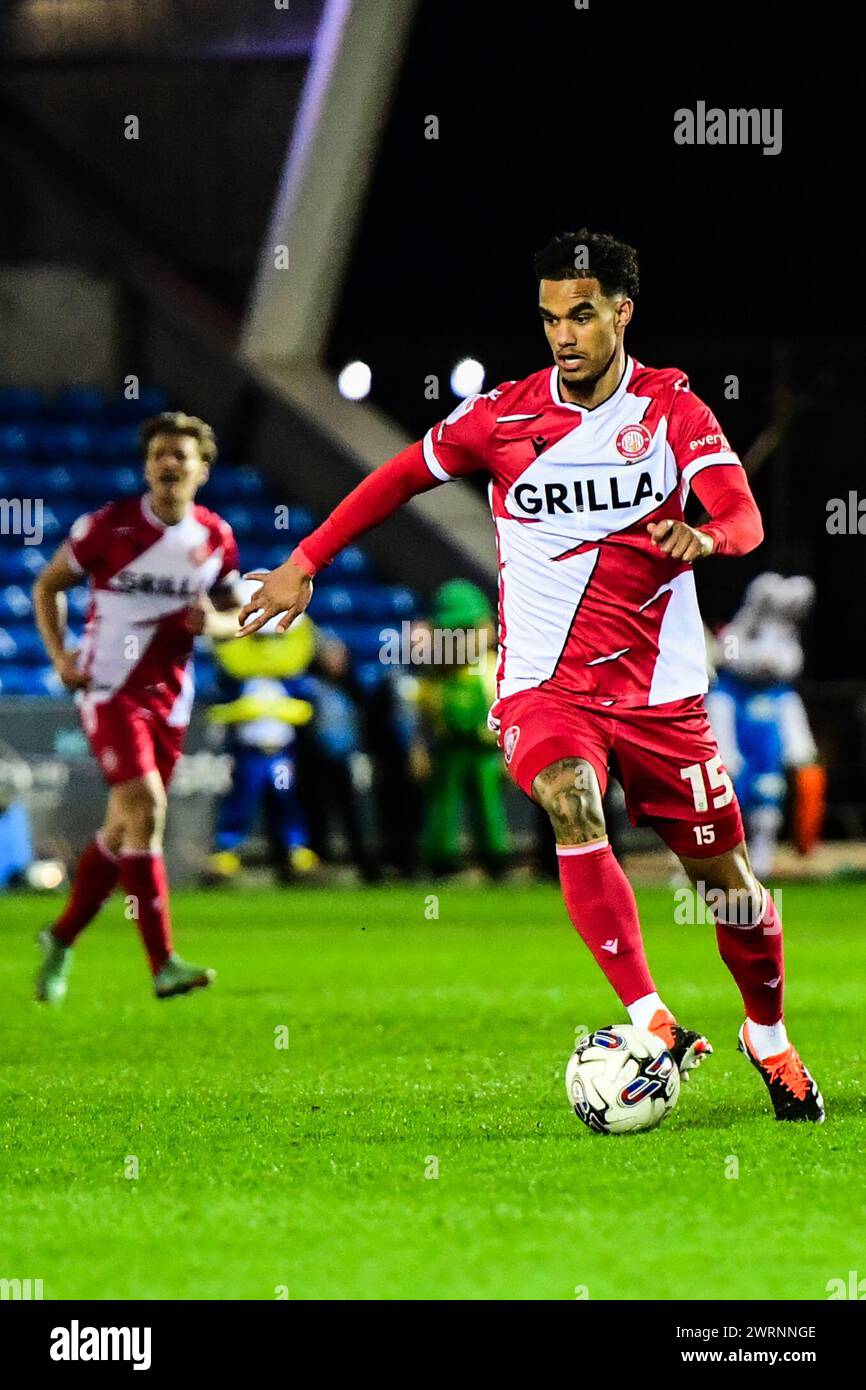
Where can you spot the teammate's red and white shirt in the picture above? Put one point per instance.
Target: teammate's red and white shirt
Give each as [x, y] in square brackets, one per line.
[143, 577]
[587, 603]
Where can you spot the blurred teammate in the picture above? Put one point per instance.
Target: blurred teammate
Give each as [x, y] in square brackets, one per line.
[760, 719]
[601, 649]
[161, 570]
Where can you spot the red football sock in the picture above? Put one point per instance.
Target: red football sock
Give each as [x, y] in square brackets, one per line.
[602, 906]
[95, 880]
[145, 881]
[753, 954]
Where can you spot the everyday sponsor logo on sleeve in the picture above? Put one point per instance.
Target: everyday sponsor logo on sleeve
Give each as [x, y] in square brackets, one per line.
[707, 439]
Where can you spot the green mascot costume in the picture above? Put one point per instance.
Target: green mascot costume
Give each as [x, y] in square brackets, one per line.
[466, 767]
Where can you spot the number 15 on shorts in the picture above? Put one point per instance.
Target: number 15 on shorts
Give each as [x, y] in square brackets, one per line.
[709, 781]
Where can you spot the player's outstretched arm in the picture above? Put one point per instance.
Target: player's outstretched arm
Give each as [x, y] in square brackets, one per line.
[49, 607]
[287, 590]
[735, 525]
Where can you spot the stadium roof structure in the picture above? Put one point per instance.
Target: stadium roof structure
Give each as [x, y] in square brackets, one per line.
[306, 91]
[328, 165]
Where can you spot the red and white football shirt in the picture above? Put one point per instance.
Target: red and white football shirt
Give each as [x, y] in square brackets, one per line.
[587, 602]
[143, 577]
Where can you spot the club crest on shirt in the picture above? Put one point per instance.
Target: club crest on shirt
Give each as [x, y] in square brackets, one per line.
[633, 441]
[509, 741]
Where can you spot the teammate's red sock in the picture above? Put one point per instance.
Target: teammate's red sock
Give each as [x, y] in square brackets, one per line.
[95, 879]
[753, 954]
[602, 906]
[145, 881]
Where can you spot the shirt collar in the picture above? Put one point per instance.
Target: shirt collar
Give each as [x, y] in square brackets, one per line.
[614, 397]
[151, 517]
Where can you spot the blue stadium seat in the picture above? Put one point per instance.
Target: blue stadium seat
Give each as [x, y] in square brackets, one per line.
[15, 680]
[93, 483]
[78, 404]
[30, 680]
[351, 561]
[78, 600]
[12, 477]
[335, 602]
[228, 484]
[25, 480]
[56, 443]
[21, 564]
[403, 603]
[20, 642]
[263, 518]
[301, 521]
[241, 519]
[382, 602]
[14, 602]
[248, 482]
[18, 441]
[20, 403]
[328, 576]
[123, 482]
[274, 555]
[288, 524]
[57, 520]
[369, 674]
[59, 480]
[83, 484]
[118, 442]
[363, 640]
[12, 569]
[151, 401]
[33, 559]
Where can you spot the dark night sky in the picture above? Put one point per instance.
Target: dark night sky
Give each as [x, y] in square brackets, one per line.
[551, 118]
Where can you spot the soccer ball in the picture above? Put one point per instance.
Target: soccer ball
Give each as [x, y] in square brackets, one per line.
[622, 1079]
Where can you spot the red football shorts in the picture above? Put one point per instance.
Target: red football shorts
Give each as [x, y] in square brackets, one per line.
[665, 756]
[128, 740]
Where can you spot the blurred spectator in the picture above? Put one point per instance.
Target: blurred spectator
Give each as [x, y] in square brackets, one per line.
[262, 685]
[759, 719]
[392, 739]
[328, 757]
[466, 769]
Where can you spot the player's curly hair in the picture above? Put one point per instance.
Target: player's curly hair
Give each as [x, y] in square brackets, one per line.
[177, 422]
[573, 255]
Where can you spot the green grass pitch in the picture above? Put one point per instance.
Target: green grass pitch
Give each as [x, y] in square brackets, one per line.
[415, 1046]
